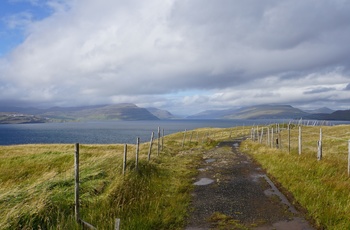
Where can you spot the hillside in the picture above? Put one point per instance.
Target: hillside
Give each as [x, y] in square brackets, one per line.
[102, 112]
[18, 118]
[161, 114]
[123, 111]
[339, 115]
[254, 112]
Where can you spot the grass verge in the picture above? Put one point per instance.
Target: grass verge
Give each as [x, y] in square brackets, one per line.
[321, 187]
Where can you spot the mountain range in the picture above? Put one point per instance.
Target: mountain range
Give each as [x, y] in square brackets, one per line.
[269, 111]
[128, 111]
[124, 111]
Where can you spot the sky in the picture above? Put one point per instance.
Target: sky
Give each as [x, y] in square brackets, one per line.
[185, 56]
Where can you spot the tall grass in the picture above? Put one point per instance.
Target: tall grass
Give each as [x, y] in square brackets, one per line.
[322, 187]
[37, 183]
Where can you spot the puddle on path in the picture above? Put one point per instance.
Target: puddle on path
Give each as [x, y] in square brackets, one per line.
[210, 160]
[296, 223]
[204, 181]
[273, 190]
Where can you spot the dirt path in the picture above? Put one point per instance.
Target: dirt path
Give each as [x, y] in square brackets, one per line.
[232, 192]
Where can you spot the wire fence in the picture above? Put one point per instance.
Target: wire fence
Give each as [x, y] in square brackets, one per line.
[306, 138]
[183, 139]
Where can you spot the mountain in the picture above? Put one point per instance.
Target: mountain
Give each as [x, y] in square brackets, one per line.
[161, 114]
[254, 112]
[18, 118]
[213, 114]
[124, 111]
[323, 110]
[339, 115]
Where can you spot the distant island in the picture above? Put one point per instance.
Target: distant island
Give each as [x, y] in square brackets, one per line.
[124, 111]
[129, 111]
[268, 111]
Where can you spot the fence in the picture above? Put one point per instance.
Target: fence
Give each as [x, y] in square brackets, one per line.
[290, 135]
[187, 140]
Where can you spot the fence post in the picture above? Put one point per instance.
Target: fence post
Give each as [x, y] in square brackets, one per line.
[162, 139]
[319, 147]
[268, 137]
[183, 140]
[279, 137]
[191, 137]
[272, 138]
[150, 146]
[349, 158]
[117, 224]
[158, 141]
[300, 140]
[76, 163]
[137, 153]
[288, 138]
[125, 158]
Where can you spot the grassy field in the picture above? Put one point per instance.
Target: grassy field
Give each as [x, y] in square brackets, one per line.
[37, 183]
[321, 187]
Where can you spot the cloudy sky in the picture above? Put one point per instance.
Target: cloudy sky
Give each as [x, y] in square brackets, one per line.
[185, 56]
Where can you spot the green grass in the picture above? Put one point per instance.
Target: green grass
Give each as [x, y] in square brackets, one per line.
[322, 187]
[37, 183]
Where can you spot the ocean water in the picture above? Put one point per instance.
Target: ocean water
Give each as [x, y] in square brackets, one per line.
[106, 132]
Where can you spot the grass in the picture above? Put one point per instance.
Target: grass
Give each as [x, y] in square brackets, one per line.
[321, 187]
[37, 183]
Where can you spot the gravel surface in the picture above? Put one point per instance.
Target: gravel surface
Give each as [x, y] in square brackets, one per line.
[233, 192]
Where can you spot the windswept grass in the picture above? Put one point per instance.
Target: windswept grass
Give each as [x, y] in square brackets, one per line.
[322, 187]
[37, 183]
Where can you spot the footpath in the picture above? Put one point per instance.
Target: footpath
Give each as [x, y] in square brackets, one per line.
[233, 192]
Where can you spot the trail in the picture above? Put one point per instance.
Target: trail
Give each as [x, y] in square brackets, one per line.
[233, 192]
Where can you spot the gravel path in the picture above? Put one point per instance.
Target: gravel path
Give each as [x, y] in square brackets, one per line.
[233, 192]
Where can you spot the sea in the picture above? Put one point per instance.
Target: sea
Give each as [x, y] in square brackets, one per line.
[108, 132]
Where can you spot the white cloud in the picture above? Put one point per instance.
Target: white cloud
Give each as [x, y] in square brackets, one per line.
[242, 52]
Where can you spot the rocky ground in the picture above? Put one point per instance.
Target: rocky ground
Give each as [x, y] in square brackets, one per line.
[233, 192]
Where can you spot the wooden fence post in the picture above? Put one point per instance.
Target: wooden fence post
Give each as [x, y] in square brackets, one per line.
[348, 157]
[279, 137]
[183, 140]
[268, 137]
[76, 164]
[117, 224]
[191, 137]
[158, 141]
[288, 138]
[162, 139]
[300, 140]
[125, 158]
[319, 147]
[150, 146]
[137, 153]
[272, 141]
